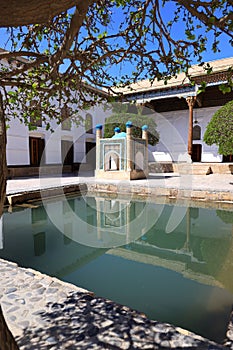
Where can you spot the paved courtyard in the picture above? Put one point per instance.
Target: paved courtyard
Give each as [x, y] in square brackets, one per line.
[212, 182]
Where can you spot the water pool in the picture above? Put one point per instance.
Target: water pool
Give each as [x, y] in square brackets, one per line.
[174, 263]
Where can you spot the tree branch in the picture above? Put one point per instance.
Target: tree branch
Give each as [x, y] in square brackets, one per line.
[23, 12]
[206, 20]
[17, 54]
[75, 25]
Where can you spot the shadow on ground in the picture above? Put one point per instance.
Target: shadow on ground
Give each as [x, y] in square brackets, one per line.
[84, 321]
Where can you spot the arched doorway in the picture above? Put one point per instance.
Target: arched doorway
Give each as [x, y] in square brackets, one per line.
[227, 159]
[196, 147]
[196, 152]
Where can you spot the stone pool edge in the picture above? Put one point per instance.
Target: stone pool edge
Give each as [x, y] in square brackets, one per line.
[32, 300]
[141, 191]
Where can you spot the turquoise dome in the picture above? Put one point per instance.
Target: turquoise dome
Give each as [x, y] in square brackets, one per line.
[119, 135]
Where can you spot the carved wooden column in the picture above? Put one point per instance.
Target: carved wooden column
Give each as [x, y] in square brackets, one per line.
[191, 102]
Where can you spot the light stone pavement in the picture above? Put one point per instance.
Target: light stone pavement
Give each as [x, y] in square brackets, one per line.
[213, 182]
[46, 313]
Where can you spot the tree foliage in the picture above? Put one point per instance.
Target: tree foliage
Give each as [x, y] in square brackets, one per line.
[58, 52]
[54, 51]
[122, 114]
[219, 131]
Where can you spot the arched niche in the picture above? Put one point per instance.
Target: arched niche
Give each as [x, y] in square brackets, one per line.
[139, 161]
[89, 123]
[197, 132]
[112, 161]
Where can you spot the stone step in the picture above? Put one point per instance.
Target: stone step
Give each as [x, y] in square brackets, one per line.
[86, 167]
[203, 168]
[160, 167]
[191, 168]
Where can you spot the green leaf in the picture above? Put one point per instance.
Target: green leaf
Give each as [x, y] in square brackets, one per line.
[190, 35]
[34, 85]
[225, 88]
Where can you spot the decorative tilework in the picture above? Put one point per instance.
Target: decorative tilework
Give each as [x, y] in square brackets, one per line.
[110, 145]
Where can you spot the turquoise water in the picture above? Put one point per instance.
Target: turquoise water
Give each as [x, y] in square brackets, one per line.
[174, 263]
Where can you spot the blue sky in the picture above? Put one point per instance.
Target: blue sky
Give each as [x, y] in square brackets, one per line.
[226, 49]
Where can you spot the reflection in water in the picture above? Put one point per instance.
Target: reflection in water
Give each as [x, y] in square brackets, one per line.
[39, 243]
[180, 275]
[225, 216]
[100, 223]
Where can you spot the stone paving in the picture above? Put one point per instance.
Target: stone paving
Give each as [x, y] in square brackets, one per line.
[45, 313]
[215, 188]
[213, 182]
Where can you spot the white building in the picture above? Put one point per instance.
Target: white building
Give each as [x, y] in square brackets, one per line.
[69, 145]
[180, 112]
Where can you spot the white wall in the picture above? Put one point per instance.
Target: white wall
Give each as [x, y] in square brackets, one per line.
[17, 144]
[173, 130]
[209, 153]
[172, 127]
[18, 139]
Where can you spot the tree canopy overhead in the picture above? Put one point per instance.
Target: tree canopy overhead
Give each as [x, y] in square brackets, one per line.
[55, 48]
[59, 45]
[95, 35]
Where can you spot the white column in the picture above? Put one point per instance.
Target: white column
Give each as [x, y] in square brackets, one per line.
[129, 145]
[145, 137]
[98, 137]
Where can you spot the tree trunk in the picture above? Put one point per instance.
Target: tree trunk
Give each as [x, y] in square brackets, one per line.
[7, 341]
[22, 12]
[3, 165]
